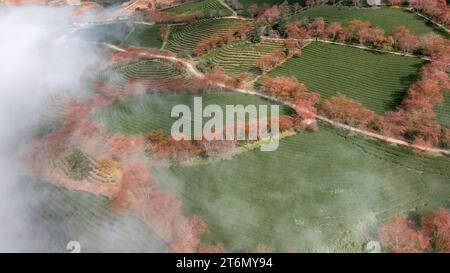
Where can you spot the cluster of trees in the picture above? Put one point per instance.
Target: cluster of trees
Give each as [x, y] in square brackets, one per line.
[290, 90]
[160, 209]
[270, 20]
[401, 234]
[256, 10]
[174, 85]
[293, 47]
[120, 144]
[76, 123]
[434, 9]
[271, 60]
[78, 165]
[106, 95]
[217, 40]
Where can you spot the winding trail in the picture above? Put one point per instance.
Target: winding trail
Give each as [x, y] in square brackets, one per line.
[192, 70]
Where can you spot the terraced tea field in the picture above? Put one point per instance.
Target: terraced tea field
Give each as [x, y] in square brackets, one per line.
[145, 36]
[184, 38]
[310, 192]
[66, 215]
[240, 57]
[385, 18]
[92, 173]
[378, 81]
[209, 8]
[148, 112]
[143, 70]
[443, 112]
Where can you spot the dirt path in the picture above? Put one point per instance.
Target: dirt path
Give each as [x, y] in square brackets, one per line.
[192, 70]
[222, 2]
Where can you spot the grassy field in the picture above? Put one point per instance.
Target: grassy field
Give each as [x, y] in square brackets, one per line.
[160, 69]
[443, 112]
[142, 114]
[209, 8]
[65, 215]
[240, 57]
[378, 81]
[385, 18]
[145, 35]
[311, 193]
[184, 38]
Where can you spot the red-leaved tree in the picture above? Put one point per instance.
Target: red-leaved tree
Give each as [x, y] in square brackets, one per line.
[437, 227]
[398, 235]
[348, 111]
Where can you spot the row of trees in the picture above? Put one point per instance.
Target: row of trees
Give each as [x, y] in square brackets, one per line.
[435, 9]
[351, 112]
[362, 32]
[216, 78]
[217, 40]
[290, 90]
[355, 31]
[401, 234]
[415, 120]
[164, 147]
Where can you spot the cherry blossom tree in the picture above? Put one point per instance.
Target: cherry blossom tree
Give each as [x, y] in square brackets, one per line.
[399, 235]
[437, 227]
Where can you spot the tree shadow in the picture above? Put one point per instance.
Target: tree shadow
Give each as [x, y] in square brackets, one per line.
[398, 97]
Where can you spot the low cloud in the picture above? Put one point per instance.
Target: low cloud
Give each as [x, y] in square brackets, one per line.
[37, 62]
